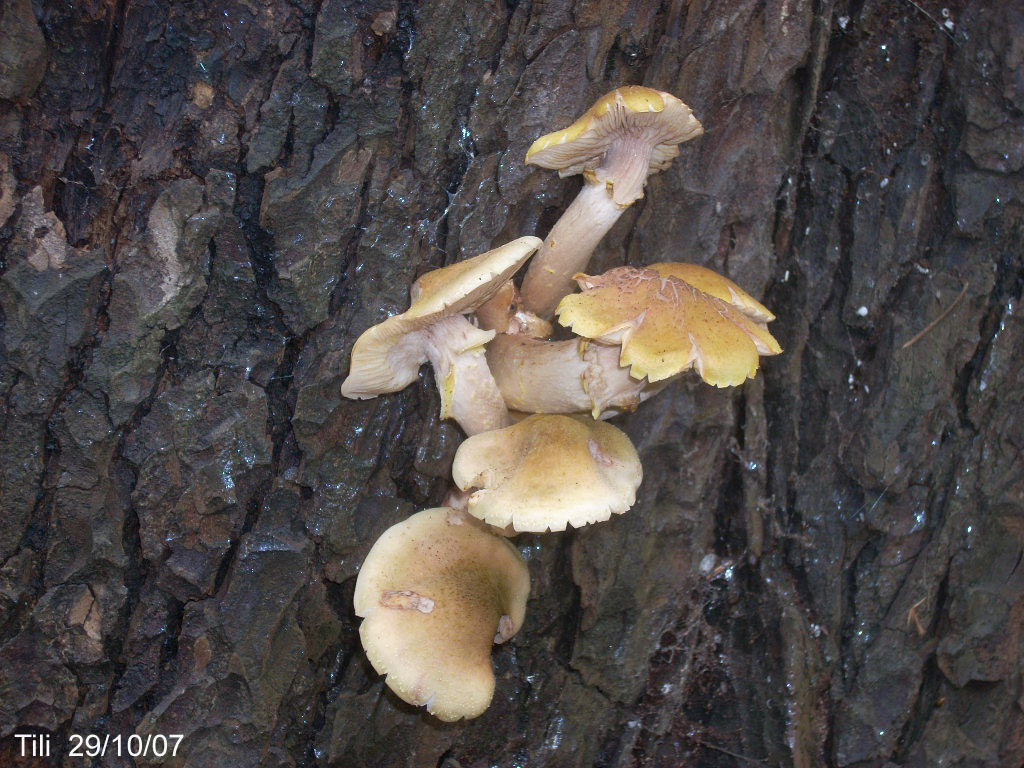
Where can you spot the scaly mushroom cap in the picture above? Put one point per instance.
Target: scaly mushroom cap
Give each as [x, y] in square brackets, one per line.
[658, 118]
[381, 362]
[435, 593]
[547, 472]
[664, 325]
[716, 285]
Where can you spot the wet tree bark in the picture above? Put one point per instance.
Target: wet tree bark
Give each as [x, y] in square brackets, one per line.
[203, 205]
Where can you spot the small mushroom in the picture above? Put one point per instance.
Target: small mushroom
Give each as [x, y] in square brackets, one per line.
[547, 472]
[387, 357]
[627, 135]
[435, 592]
[665, 325]
[572, 376]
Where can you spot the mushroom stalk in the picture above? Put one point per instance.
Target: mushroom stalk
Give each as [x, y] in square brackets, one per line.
[568, 247]
[571, 376]
[495, 313]
[469, 394]
[625, 169]
[504, 313]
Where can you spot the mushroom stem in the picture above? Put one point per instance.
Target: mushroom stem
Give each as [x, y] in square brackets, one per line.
[469, 394]
[571, 376]
[496, 312]
[504, 313]
[625, 169]
[567, 248]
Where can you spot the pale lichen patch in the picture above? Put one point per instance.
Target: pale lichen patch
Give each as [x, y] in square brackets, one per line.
[45, 231]
[165, 231]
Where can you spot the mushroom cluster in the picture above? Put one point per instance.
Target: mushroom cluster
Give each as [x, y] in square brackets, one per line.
[439, 589]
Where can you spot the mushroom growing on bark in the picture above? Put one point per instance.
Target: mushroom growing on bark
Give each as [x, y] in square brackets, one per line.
[664, 325]
[627, 135]
[435, 593]
[387, 357]
[547, 472]
[577, 375]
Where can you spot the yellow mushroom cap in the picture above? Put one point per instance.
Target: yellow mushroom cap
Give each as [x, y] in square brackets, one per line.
[547, 472]
[435, 593]
[664, 325]
[716, 285]
[630, 109]
[382, 363]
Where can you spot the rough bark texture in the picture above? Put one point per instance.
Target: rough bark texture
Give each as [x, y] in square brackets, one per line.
[203, 204]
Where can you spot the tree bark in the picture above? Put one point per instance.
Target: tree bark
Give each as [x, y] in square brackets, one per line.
[203, 205]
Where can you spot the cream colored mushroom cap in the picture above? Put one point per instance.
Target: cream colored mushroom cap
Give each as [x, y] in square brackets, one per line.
[716, 285]
[548, 471]
[664, 325]
[631, 109]
[382, 363]
[436, 592]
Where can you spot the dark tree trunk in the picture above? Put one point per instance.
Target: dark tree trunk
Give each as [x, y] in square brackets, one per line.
[203, 205]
